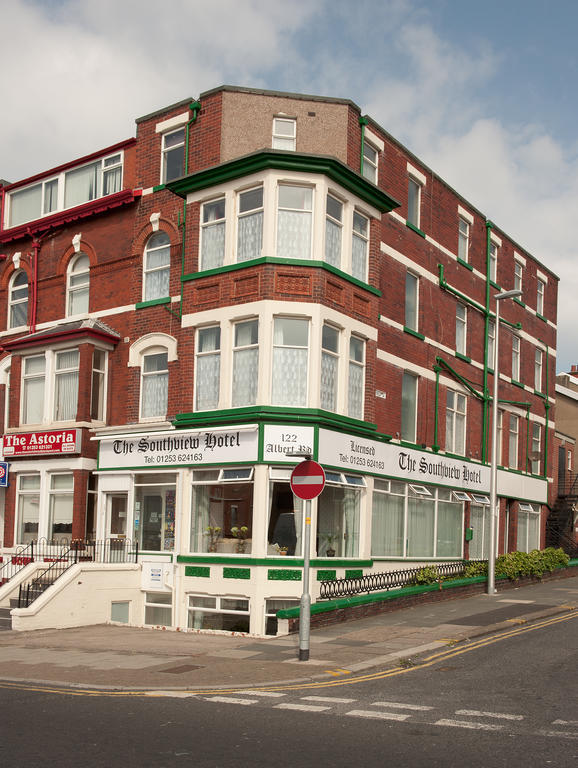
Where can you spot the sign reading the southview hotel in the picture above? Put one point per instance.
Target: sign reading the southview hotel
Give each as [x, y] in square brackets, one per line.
[180, 447]
[402, 463]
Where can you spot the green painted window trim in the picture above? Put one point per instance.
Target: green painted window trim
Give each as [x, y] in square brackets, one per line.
[413, 333]
[354, 574]
[495, 285]
[326, 575]
[198, 571]
[540, 394]
[317, 562]
[236, 573]
[267, 159]
[518, 384]
[521, 303]
[159, 187]
[286, 262]
[541, 317]
[413, 227]
[276, 414]
[284, 575]
[465, 264]
[152, 303]
[465, 358]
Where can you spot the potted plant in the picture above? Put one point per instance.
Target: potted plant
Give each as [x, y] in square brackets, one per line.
[241, 535]
[330, 549]
[214, 532]
[280, 550]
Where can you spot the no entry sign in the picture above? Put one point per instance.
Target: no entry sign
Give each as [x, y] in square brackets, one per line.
[308, 480]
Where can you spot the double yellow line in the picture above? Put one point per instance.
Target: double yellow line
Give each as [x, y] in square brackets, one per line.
[423, 663]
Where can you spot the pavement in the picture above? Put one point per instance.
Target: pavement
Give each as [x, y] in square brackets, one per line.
[117, 658]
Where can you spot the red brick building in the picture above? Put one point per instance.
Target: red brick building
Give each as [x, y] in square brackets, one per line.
[259, 274]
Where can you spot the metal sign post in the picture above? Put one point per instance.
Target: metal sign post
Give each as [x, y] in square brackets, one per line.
[307, 482]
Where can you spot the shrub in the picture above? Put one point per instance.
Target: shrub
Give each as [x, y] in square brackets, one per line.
[476, 568]
[426, 575]
[534, 563]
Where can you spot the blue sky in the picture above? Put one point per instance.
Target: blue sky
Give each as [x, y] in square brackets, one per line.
[484, 92]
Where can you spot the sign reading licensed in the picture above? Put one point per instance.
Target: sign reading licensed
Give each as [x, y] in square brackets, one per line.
[35, 443]
[402, 463]
[179, 448]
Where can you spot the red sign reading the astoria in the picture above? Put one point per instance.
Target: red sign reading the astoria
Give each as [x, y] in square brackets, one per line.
[34, 443]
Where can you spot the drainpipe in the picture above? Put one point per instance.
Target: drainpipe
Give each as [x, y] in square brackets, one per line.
[36, 243]
[362, 122]
[486, 400]
[195, 107]
[435, 446]
[546, 409]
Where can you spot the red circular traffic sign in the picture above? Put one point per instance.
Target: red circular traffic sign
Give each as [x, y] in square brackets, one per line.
[308, 480]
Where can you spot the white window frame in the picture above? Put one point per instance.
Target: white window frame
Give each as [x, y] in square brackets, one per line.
[304, 212]
[146, 376]
[50, 388]
[408, 377]
[99, 385]
[370, 161]
[330, 354]
[53, 492]
[463, 239]
[257, 211]
[286, 140]
[77, 283]
[336, 222]
[166, 151]
[532, 515]
[513, 440]
[536, 446]
[356, 365]
[161, 602]
[360, 234]
[208, 223]
[538, 369]
[411, 319]
[540, 294]
[238, 350]
[103, 166]
[414, 211]
[456, 415]
[18, 297]
[61, 373]
[217, 354]
[494, 263]
[516, 345]
[151, 272]
[275, 399]
[219, 608]
[461, 328]
[491, 343]
[518, 275]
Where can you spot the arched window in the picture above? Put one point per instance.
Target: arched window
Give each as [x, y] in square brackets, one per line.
[157, 263]
[78, 285]
[18, 300]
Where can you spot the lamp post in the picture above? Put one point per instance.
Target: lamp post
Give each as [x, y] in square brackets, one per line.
[494, 463]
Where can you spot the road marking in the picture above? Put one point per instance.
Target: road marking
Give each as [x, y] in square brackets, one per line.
[329, 699]
[559, 734]
[396, 705]
[377, 715]
[476, 713]
[338, 672]
[521, 602]
[565, 722]
[270, 694]
[301, 707]
[171, 694]
[468, 724]
[231, 700]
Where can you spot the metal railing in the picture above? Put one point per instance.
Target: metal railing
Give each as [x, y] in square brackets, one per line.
[27, 593]
[568, 485]
[385, 580]
[41, 549]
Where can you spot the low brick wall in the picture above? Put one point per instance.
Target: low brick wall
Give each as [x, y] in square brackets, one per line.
[358, 607]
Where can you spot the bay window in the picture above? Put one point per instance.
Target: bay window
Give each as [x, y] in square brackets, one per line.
[250, 224]
[28, 505]
[66, 385]
[356, 389]
[213, 234]
[290, 361]
[338, 515]
[97, 397]
[61, 503]
[359, 246]
[18, 301]
[154, 384]
[33, 380]
[208, 368]
[154, 511]
[329, 367]
[294, 222]
[245, 363]
[333, 230]
[222, 510]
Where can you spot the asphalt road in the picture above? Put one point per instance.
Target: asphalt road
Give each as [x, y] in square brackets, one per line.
[495, 702]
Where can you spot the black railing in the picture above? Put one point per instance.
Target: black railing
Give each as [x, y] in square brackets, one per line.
[568, 486]
[375, 582]
[28, 593]
[39, 550]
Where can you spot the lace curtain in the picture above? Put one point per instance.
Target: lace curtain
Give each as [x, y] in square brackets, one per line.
[328, 381]
[332, 243]
[480, 521]
[449, 531]
[387, 525]
[289, 376]
[351, 522]
[81, 185]
[294, 235]
[420, 527]
[208, 381]
[213, 249]
[359, 258]
[250, 237]
[66, 396]
[245, 376]
[355, 394]
[155, 395]
[199, 537]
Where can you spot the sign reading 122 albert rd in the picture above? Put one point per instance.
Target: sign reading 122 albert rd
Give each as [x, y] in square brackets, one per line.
[179, 447]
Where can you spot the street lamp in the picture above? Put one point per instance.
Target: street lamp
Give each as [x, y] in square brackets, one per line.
[494, 463]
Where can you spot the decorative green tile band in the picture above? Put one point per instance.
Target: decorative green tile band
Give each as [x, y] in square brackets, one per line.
[236, 573]
[199, 571]
[285, 575]
[326, 575]
[353, 574]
